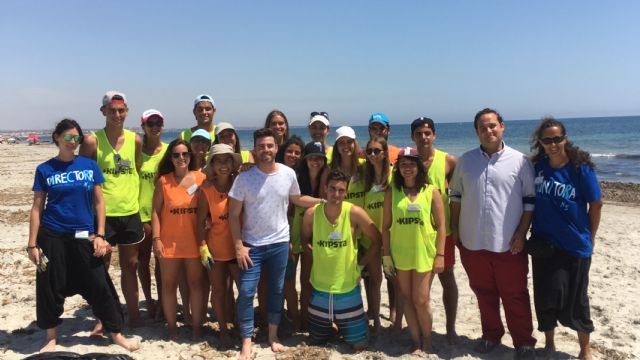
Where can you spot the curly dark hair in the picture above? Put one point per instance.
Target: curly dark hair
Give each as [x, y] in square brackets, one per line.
[421, 178]
[166, 165]
[576, 156]
[369, 170]
[293, 140]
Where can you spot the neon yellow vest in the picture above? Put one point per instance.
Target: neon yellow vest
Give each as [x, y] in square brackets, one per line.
[373, 205]
[437, 176]
[186, 134]
[147, 182]
[335, 261]
[244, 154]
[121, 186]
[413, 238]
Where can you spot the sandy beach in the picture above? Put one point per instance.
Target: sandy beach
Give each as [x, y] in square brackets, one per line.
[614, 293]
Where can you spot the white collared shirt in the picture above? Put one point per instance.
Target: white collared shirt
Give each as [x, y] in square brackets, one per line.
[494, 191]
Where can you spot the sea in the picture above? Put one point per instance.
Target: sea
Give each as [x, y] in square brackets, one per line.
[613, 142]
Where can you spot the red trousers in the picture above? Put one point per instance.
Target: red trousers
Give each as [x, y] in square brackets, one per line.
[500, 276]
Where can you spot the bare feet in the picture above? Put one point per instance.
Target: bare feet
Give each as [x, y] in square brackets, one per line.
[416, 349]
[585, 354]
[98, 330]
[245, 352]
[172, 332]
[426, 346]
[276, 346]
[119, 339]
[50, 341]
[452, 338]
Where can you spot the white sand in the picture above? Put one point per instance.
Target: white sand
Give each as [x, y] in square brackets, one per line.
[614, 293]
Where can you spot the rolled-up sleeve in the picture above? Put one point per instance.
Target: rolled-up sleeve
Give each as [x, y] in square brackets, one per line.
[455, 185]
[527, 175]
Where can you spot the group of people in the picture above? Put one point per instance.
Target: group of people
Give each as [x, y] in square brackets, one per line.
[215, 215]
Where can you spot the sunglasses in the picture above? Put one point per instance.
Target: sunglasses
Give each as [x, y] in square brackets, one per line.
[555, 140]
[178, 155]
[373, 151]
[76, 138]
[323, 113]
[156, 123]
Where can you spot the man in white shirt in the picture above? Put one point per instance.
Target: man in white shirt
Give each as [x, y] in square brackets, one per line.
[492, 199]
[258, 202]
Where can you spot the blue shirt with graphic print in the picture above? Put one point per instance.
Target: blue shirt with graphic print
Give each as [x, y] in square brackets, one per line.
[560, 214]
[69, 188]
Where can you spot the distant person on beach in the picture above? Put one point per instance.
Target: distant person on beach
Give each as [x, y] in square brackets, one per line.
[66, 240]
[566, 218]
[440, 167]
[492, 200]
[175, 203]
[328, 233]
[379, 125]
[413, 235]
[118, 152]
[277, 121]
[259, 199]
[152, 123]
[204, 109]
[213, 205]
[227, 134]
[319, 128]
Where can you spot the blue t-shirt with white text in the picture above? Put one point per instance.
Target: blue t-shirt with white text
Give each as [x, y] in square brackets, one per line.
[561, 213]
[69, 188]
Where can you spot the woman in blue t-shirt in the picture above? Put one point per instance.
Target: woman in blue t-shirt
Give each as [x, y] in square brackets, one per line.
[66, 238]
[566, 215]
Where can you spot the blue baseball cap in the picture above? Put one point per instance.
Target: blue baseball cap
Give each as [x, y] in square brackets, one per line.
[201, 133]
[379, 118]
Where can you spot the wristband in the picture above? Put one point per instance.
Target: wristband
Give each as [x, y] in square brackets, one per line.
[155, 238]
[440, 255]
[99, 236]
[31, 247]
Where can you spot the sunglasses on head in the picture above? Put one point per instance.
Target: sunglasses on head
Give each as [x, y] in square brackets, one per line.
[322, 113]
[555, 140]
[76, 138]
[373, 151]
[178, 155]
[154, 123]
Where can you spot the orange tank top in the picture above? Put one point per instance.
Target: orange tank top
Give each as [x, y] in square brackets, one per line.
[178, 218]
[219, 238]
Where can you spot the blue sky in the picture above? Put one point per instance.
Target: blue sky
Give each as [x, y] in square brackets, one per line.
[443, 59]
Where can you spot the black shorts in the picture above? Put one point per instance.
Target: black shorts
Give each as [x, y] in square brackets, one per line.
[124, 230]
